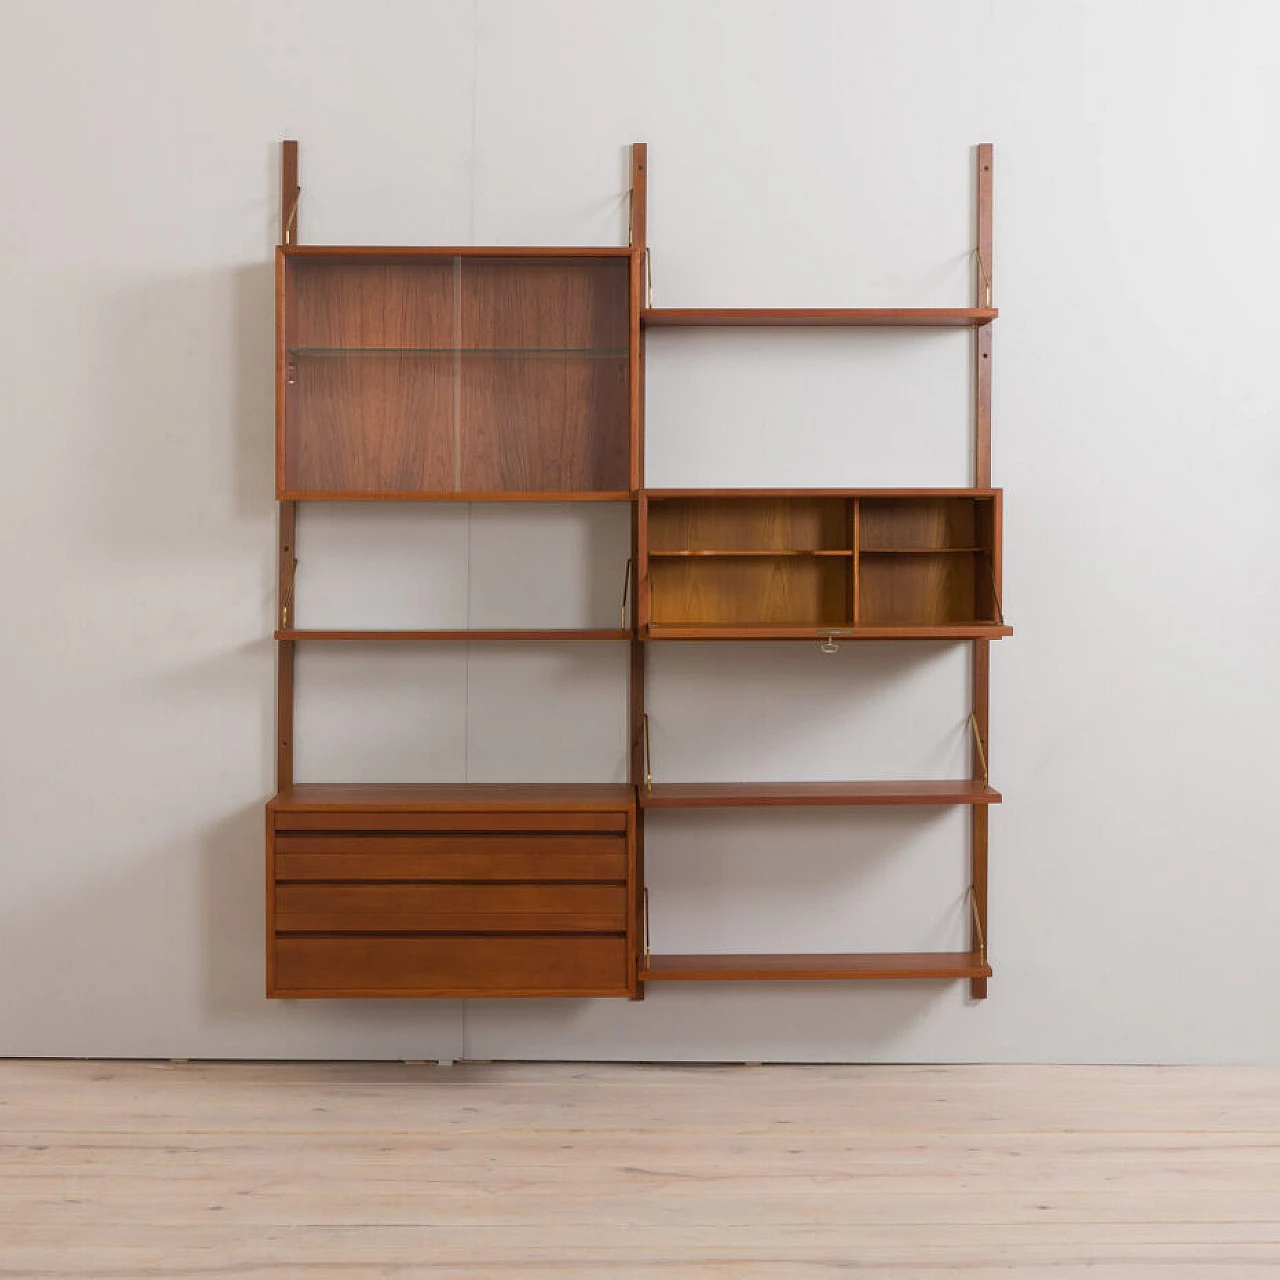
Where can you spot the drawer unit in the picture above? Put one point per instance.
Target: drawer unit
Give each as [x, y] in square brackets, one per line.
[425, 897]
[451, 965]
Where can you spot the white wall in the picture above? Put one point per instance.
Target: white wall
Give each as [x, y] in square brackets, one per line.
[813, 152]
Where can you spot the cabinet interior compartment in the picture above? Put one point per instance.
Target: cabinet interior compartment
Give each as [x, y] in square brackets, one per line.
[445, 374]
[927, 560]
[773, 560]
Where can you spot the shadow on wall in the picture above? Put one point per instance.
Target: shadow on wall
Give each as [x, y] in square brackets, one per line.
[234, 920]
[192, 448]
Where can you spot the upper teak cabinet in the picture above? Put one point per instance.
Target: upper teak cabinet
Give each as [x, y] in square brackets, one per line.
[453, 374]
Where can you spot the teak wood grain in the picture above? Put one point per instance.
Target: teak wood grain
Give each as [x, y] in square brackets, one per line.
[715, 795]
[458, 495]
[476, 842]
[440, 372]
[815, 967]
[516, 374]
[990, 521]
[555, 636]
[809, 317]
[837, 632]
[758, 561]
[359, 863]
[451, 908]
[455, 966]
[569, 802]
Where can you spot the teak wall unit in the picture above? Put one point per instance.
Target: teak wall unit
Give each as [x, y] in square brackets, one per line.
[516, 374]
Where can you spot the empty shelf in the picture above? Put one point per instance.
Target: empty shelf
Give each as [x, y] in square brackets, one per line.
[717, 795]
[815, 968]
[818, 317]
[551, 635]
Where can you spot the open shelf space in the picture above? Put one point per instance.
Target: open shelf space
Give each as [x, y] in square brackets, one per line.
[435, 373]
[815, 968]
[551, 636]
[821, 317]
[725, 795]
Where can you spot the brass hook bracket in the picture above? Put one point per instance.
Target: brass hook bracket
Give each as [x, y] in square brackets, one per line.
[648, 277]
[982, 751]
[648, 764]
[288, 595]
[995, 590]
[291, 217]
[977, 925]
[626, 591]
[986, 279]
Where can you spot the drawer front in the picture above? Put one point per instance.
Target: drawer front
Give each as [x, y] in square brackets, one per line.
[451, 966]
[451, 908]
[467, 856]
[471, 820]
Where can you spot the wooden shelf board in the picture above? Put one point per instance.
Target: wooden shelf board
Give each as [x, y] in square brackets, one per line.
[731, 555]
[818, 317]
[553, 636]
[391, 796]
[409, 252]
[923, 551]
[660, 494]
[495, 353]
[814, 968]
[700, 631]
[346, 495]
[716, 795]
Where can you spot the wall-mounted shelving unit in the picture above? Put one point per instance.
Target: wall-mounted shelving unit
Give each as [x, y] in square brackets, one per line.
[462, 374]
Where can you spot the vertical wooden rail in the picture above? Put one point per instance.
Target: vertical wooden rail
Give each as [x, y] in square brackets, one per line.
[981, 673]
[638, 240]
[289, 192]
[288, 518]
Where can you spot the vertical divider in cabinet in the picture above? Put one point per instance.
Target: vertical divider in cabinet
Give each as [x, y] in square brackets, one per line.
[855, 567]
[643, 601]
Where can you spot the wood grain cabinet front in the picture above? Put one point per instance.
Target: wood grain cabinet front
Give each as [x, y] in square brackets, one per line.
[451, 902]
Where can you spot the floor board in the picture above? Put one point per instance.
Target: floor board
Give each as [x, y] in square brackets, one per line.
[114, 1170]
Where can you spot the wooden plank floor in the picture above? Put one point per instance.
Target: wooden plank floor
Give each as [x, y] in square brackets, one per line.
[554, 1172]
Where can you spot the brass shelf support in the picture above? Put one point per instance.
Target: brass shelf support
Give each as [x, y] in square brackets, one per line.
[986, 279]
[288, 595]
[982, 751]
[977, 925]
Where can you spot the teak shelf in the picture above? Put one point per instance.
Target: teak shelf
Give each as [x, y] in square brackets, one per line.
[810, 318]
[515, 374]
[816, 967]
